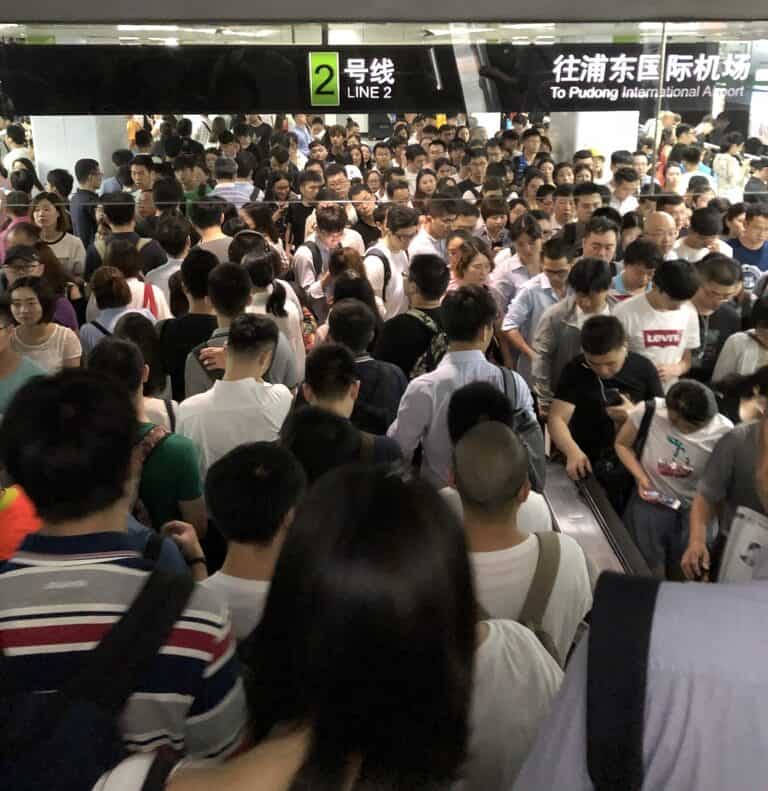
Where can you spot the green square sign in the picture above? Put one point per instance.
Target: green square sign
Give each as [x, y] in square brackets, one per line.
[324, 79]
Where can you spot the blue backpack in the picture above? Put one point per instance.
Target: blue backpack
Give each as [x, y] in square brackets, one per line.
[66, 740]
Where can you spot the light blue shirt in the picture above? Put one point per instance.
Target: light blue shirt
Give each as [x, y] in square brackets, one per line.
[108, 318]
[705, 714]
[524, 312]
[509, 275]
[305, 138]
[423, 413]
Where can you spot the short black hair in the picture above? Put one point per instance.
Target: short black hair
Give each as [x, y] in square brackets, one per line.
[493, 207]
[555, 249]
[626, 175]
[413, 151]
[121, 359]
[119, 207]
[143, 138]
[331, 219]
[207, 212]
[44, 293]
[251, 334]
[430, 275]
[643, 252]
[85, 168]
[525, 225]
[330, 369]
[602, 334]
[621, 157]
[476, 403]
[195, 268]
[352, 323]
[668, 200]
[585, 188]
[399, 217]
[167, 194]
[61, 431]
[755, 210]
[172, 234]
[599, 224]
[693, 401]
[320, 440]
[61, 180]
[706, 222]
[143, 161]
[590, 276]
[677, 279]
[467, 311]
[759, 315]
[564, 190]
[720, 269]
[250, 491]
[229, 289]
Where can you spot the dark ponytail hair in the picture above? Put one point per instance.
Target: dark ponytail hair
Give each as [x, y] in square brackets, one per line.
[261, 267]
[744, 386]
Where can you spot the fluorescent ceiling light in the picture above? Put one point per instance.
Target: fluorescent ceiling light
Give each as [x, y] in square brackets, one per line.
[761, 75]
[526, 26]
[250, 33]
[148, 27]
[5, 25]
[651, 25]
[169, 42]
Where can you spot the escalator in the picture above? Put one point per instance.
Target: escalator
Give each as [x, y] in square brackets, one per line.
[582, 511]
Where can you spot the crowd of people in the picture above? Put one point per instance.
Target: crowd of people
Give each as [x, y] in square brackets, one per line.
[323, 377]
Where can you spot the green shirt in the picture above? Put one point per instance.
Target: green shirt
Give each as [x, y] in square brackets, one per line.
[170, 474]
[194, 194]
[26, 369]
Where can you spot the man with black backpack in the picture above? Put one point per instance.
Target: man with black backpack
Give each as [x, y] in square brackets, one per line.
[415, 341]
[84, 620]
[386, 262]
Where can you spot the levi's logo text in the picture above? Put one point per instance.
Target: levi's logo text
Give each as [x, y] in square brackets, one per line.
[662, 339]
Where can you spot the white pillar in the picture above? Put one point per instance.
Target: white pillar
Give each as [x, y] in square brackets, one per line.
[60, 140]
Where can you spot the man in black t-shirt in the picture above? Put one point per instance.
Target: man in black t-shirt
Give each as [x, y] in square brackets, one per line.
[310, 182]
[595, 393]
[407, 339]
[365, 205]
[179, 336]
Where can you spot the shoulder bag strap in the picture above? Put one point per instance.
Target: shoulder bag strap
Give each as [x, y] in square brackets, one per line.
[619, 640]
[153, 547]
[317, 258]
[119, 661]
[543, 580]
[149, 299]
[171, 414]
[101, 328]
[645, 426]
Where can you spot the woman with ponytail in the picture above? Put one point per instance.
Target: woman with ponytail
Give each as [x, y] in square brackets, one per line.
[269, 296]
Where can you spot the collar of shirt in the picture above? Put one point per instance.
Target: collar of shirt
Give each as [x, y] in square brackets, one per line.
[220, 332]
[462, 357]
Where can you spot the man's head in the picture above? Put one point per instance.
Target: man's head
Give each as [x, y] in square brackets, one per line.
[604, 344]
[660, 229]
[441, 215]
[704, 233]
[640, 163]
[719, 281]
[626, 182]
[309, 182]
[590, 280]
[685, 134]
[675, 282]
[469, 314]
[583, 157]
[229, 289]
[756, 225]
[225, 169]
[207, 212]
[68, 440]
[467, 215]
[478, 164]
[173, 235]
[600, 239]
[331, 381]
[490, 469]
[143, 141]
[415, 158]
[16, 134]
[195, 268]
[641, 260]
[141, 171]
[337, 181]
[587, 199]
[402, 225]
[252, 341]
[563, 203]
[674, 206]
[119, 209]
[398, 191]
[556, 262]
[352, 323]
[88, 174]
[252, 493]
[494, 213]
[428, 278]
[382, 156]
[691, 405]
[530, 143]
[331, 222]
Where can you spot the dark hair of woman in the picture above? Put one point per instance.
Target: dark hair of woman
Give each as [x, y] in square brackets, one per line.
[262, 268]
[139, 329]
[368, 635]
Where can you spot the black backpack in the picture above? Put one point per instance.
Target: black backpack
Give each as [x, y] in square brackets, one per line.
[382, 256]
[317, 258]
[67, 739]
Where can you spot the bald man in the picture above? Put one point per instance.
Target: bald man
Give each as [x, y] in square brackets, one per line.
[660, 228]
[491, 475]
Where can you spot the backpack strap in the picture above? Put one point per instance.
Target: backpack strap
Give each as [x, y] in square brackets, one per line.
[543, 581]
[149, 442]
[382, 256]
[171, 414]
[645, 426]
[366, 447]
[153, 548]
[142, 243]
[149, 300]
[119, 661]
[619, 641]
[425, 319]
[317, 258]
[101, 328]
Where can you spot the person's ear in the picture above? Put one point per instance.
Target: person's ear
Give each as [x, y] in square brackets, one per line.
[354, 390]
[145, 374]
[525, 491]
[306, 391]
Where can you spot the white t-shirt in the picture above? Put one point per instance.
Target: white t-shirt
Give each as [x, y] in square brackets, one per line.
[515, 682]
[71, 254]
[160, 275]
[137, 288]
[503, 578]
[694, 255]
[62, 345]
[231, 413]
[675, 461]
[533, 516]
[663, 336]
[245, 599]
[291, 325]
[396, 301]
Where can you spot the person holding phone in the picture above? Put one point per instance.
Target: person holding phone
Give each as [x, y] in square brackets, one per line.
[683, 432]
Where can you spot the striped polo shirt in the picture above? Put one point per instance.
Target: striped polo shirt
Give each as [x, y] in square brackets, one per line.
[58, 598]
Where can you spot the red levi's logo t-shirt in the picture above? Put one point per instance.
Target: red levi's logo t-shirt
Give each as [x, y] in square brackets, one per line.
[662, 339]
